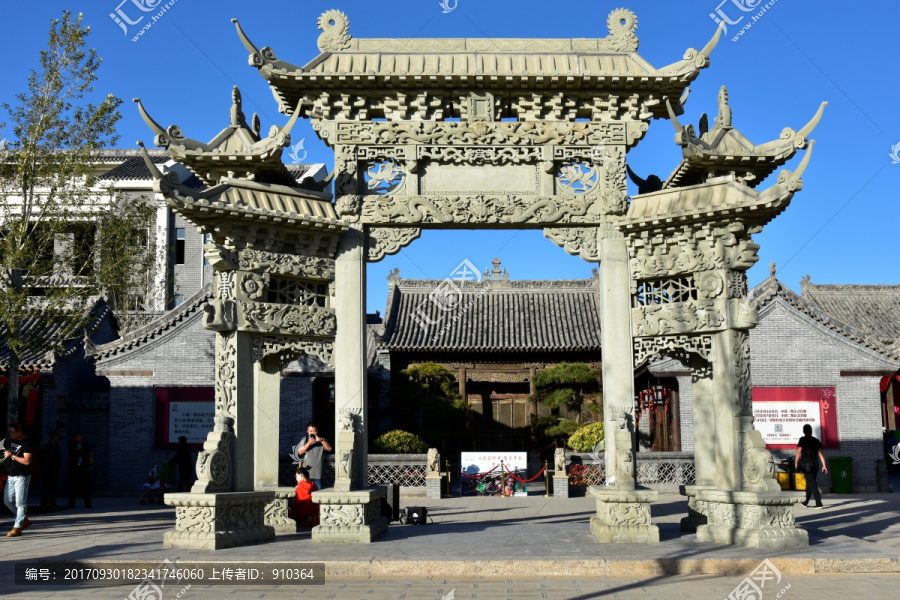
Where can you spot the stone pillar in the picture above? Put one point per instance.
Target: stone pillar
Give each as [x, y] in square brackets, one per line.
[704, 422]
[615, 333]
[350, 512]
[726, 407]
[350, 389]
[244, 457]
[267, 422]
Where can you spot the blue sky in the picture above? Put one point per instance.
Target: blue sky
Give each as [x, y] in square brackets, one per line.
[842, 228]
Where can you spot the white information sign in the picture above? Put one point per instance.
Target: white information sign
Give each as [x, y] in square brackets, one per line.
[781, 423]
[190, 419]
[477, 463]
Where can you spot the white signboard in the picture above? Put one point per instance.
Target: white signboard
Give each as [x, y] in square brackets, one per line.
[190, 419]
[781, 423]
[478, 463]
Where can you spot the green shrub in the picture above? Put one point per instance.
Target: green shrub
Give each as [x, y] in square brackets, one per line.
[587, 437]
[399, 442]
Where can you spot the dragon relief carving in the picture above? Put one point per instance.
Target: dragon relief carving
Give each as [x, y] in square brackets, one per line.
[576, 240]
[479, 155]
[614, 199]
[386, 241]
[621, 24]
[511, 134]
[286, 264]
[676, 318]
[286, 319]
[502, 208]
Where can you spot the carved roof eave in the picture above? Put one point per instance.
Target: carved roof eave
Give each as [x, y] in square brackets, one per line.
[295, 85]
[207, 160]
[726, 148]
[242, 200]
[720, 198]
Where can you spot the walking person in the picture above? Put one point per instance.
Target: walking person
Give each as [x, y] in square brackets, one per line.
[311, 452]
[182, 460]
[17, 451]
[80, 470]
[806, 460]
[50, 462]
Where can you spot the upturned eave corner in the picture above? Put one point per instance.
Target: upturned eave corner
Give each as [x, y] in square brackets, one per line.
[694, 60]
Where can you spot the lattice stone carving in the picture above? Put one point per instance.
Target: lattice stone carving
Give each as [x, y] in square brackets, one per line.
[297, 292]
[290, 348]
[664, 291]
[676, 346]
[385, 241]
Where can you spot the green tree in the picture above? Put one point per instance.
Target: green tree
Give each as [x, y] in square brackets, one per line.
[425, 400]
[63, 242]
[566, 388]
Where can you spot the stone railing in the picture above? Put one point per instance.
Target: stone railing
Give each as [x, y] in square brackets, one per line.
[658, 470]
[406, 470]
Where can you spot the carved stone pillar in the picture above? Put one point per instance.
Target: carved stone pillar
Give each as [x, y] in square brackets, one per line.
[615, 317]
[704, 442]
[350, 385]
[726, 401]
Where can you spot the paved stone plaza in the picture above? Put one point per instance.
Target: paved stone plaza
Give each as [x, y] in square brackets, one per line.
[532, 547]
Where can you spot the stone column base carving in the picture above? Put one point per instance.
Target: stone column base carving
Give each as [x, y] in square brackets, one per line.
[561, 486]
[754, 519]
[353, 516]
[623, 516]
[216, 521]
[696, 508]
[278, 511]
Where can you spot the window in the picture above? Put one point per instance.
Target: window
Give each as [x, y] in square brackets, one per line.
[178, 300]
[179, 246]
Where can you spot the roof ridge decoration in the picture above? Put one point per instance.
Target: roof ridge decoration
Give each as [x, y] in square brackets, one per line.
[335, 28]
[365, 70]
[238, 150]
[771, 288]
[153, 329]
[724, 150]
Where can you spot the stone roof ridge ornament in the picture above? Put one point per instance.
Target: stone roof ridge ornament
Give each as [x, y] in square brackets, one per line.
[645, 186]
[800, 137]
[335, 28]
[621, 24]
[789, 181]
[262, 156]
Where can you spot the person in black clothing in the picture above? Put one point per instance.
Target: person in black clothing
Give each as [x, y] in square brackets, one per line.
[50, 455]
[809, 449]
[182, 460]
[17, 452]
[80, 470]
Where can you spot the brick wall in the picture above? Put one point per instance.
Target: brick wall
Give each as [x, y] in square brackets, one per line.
[789, 349]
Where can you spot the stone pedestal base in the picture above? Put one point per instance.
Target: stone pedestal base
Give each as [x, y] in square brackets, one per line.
[278, 511]
[561, 486]
[623, 516]
[754, 519]
[353, 516]
[434, 487]
[696, 508]
[215, 521]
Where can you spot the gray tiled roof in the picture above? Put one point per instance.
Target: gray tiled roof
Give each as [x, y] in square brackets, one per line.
[524, 316]
[133, 168]
[866, 313]
[872, 309]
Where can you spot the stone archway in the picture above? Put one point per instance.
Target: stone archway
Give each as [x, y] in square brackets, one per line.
[461, 133]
